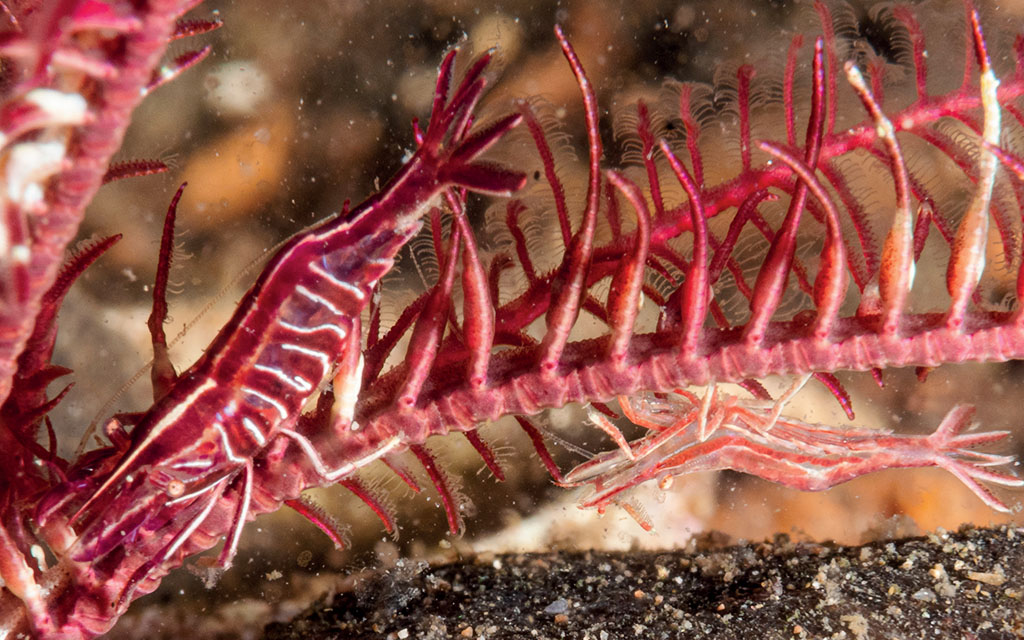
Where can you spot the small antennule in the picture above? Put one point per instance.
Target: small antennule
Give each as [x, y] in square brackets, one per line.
[452, 499]
[133, 169]
[176, 67]
[163, 373]
[377, 500]
[315, 513]
[487, 453]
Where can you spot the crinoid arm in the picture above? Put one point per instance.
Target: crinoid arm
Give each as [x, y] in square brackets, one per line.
[73, 72]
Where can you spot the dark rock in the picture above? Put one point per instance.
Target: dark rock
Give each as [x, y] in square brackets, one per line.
[968, 584]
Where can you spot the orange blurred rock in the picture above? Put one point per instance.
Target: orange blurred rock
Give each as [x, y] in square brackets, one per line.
[855, 512]
[238, 172]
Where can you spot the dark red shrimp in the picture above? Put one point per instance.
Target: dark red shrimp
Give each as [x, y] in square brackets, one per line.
[298, 320]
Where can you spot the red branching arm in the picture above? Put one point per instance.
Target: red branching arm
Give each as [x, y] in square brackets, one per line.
[870, 327]
[63, 119]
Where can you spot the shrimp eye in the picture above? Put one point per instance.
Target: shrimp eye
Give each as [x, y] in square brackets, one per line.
[175, 488]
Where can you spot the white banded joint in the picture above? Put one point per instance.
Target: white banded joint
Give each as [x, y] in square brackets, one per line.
[347, 287]
[319, 299]
[333, 328]
[296, 382]
[319, 356]
[254, 431]
[278, 406]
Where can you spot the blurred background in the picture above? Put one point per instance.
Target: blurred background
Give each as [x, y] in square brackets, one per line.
[304, 105]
